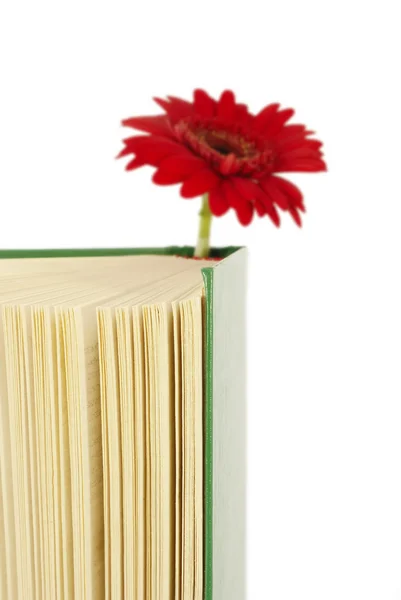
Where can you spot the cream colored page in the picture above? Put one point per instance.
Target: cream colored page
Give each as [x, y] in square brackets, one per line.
[188, 482]
[41, 436]
[111, 420]
[25, 371]
[123, 451]
[6, 476]
[44, 554]
[91, 448]
[65, 342]
[116, 427]
[129, 454]
[146, 499]
[18, 421]
[34, 273]
[46, 267]
[93, 363]
[33, 462]
[150, 474]
[11, 267]
[159, 403]
[197, 383]
[161, 437]
[141, 497]
[188, 342]
[79, 428]
[178, 448]
[164, 366]
[3, 569]
[106, 468]
[36, 546]
[57, 485]
[64, 460]
[62, 453]
[45, 448]
[43, 456]
[111, 433]
[41, 460]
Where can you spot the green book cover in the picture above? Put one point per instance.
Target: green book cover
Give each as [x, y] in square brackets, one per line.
[224, 409]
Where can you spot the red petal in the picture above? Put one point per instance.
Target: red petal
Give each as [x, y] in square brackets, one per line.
[301, 165]
[204, 105]
[277, 123]
[136, 139]
[264, 116]
[176, 108]
[293, 194]
[274, 192]
[295, 216]
[301, 152]
[134, 164]
[124, 152]
[164, 104]
[245, 213]
[260, 209]
[176, 169]
[185, 106]
[255, 194]
[242, 114]
[226, 106]
[158, 125]
[232, 196]
[289, 133]
[246, 188]
[295, 143]
[273, 214]
[291, 130]
[218, 202]
[242, 207]
[151, 149]
[199, 183]
[268, 209]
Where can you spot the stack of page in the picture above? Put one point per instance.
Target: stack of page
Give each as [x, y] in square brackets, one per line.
[101, 428]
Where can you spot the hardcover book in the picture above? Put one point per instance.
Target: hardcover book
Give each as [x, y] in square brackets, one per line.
[122, 424]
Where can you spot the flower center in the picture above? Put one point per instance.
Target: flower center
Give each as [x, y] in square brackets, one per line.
[225, 143]
[229, 149]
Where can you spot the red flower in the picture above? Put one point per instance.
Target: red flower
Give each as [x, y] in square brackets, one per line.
[220, 148]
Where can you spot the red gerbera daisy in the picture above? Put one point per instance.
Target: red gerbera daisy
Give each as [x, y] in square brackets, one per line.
[220, 148]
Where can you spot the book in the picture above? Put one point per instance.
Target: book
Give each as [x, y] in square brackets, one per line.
[122, 424]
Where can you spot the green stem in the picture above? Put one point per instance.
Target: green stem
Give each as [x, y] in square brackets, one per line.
[205, 221]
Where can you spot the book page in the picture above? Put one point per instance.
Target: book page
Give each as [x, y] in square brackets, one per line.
[159, 394]
[131, 456]
[46, 448]
[140, 435]
[3, 570]
[34, 459]
[90, 445]
[64, 457]
[20, 453]
[102, 470]
[188, 457]
[178, 349]
[112, 468]
[9, 540]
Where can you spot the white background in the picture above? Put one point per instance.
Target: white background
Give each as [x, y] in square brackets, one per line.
[324, 302]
